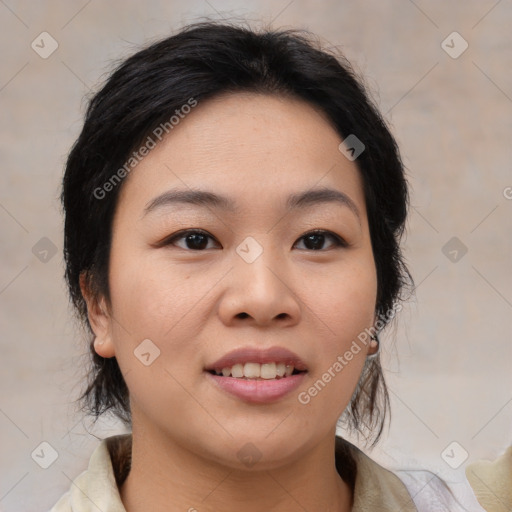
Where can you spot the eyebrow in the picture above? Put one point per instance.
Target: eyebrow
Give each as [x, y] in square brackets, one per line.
[209, 199]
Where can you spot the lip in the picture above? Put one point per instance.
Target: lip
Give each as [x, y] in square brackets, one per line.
[257, 391]
[258, 355]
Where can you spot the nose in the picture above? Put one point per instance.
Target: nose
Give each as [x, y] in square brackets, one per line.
[260, 293]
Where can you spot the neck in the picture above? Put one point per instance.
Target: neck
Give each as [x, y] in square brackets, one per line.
[166, 477]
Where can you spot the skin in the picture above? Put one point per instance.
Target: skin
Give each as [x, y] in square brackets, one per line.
[256, 149]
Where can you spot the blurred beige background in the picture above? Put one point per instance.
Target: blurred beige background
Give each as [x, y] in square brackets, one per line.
[448, 363]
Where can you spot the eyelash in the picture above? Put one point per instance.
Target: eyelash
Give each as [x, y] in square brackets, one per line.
[338, 241]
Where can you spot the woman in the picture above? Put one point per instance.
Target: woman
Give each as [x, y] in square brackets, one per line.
[234, 207]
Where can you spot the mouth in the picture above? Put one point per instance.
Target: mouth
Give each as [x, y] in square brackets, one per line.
[256, 363]
[257, 371]
[256, 375]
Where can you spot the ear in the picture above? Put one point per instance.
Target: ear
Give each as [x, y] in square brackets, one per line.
[100, 320]
[373, 346]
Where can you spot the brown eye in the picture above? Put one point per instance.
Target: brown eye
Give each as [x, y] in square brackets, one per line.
[195, 240]
[315, 240]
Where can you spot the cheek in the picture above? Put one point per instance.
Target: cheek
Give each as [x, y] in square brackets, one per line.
[160, 301]
[344, 305]
[155, 315]
[147, 294]
[343, 308]
[345, 301]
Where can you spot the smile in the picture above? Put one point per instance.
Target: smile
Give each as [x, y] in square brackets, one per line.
[257, 371]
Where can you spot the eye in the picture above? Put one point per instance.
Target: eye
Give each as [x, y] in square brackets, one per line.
[315, 239]
[197, 240]
[194, 239]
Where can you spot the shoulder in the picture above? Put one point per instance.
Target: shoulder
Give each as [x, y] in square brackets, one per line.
[404, 490]
[435, 494]
[97, 487]
[492, 481]
[374, 487]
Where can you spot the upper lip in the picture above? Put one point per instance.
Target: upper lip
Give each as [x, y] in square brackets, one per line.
[257, 355]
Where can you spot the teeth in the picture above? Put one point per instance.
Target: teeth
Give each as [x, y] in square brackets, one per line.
[266, 371]
[252, 370]
[237, 371]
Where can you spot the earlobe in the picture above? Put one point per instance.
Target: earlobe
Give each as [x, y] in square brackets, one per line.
[374, 345]
[104, 347]
[99, 319]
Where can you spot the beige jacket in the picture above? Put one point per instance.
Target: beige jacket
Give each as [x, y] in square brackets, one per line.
[375, 488]
[492, 482]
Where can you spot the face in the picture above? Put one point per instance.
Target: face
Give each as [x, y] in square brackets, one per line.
[258, 278]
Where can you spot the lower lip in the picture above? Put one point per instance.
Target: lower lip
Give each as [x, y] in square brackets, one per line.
[258, 391]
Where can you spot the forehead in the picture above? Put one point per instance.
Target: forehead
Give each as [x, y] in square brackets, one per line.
[255, 149]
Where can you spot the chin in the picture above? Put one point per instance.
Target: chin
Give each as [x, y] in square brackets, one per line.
[258, 453]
